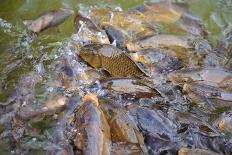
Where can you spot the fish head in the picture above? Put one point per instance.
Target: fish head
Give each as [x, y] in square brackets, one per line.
[60, 15]
[91, 56]
[91, 97]
[80, 19]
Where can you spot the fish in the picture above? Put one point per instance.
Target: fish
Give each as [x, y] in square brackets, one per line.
[67, 75]
[190, 119]
[188, 151]
[59, 140]
[225, 124]
[155, 41]
[155, 122]
[132, 27]
[88, 32]
[48, 19]
[116, 35]
[163, 62]
[93, 132]
[226, 83]
[129, 87]
[80, 19]
[158, 12]
[111, 59]
[122, 127]
[209, 96]
[23, 92]
[210, 76]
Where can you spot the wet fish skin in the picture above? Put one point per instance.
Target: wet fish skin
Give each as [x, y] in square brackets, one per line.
[47, 20]
[225, 124]
[67, 75]
[226, 83]
[116, 35]
[24, 91]
[163, 62]
[90, 24]
[88, 32]
[122, 127]
[60, 144]
[111, 59]
[129, 87]
[93, 132]
[209, 76]
[211, 97]
[156, 41]
[155, 122]
[188, 118]
[188, 151]
[63, 149]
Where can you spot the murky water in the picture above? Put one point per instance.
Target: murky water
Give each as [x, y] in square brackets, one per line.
[140, 60]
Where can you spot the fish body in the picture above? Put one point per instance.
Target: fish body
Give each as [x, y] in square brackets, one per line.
[225, 124]
[111, 59]
[130, 87]
[47, 20]
[88, 32]
[123, 128]
[187, 151]
[209, 76]
[80, 19]
[155, 41]
[93, 132]
[210, 96]
[116, 35]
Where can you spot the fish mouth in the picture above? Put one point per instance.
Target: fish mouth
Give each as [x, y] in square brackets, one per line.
[91, 97]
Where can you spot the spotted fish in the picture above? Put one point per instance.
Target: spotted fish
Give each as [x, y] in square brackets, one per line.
[47, 20]
[111, 59]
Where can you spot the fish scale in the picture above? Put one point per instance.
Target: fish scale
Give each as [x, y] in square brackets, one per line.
[115, 61]
[120, 66]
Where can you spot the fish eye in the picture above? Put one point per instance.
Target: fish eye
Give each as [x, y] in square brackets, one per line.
[186, 79]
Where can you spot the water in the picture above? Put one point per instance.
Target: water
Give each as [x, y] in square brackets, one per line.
[15, 45]
[13, 35]
[51, 59]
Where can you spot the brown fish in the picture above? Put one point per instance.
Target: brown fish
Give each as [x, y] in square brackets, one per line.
[67, 75]
[226, 83]
[155, 41]
[187, 151]
[116, 35]
[160, 12]
[130, 87]
[111, 59]
[88, 32]
[225, 124]
[190, 119]
[209, 76]
[93, 132]
[79, 19]
[124, 21]
[125, 149]
[122, 127]
[47, 20]
[209, 96]
[24, 92]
